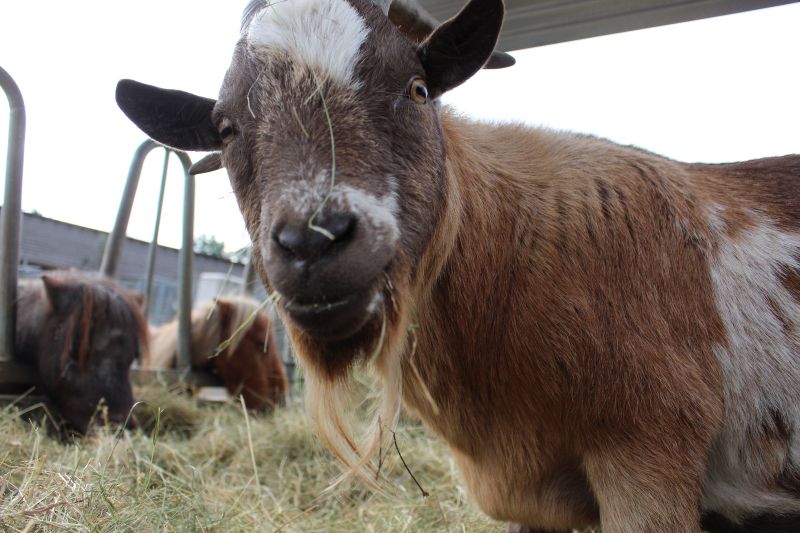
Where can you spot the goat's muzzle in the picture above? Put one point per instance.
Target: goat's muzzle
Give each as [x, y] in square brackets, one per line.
[328, 269]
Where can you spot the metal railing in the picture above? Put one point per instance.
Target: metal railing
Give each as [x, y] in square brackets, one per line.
[116, 240]
[11, 215]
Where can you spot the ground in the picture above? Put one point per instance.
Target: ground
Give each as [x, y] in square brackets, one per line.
[197, 467]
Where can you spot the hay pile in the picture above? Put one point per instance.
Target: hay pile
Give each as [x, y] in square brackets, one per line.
[191, 467]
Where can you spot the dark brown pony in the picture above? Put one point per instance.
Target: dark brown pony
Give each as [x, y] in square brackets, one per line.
[81, 333]
[233, 338]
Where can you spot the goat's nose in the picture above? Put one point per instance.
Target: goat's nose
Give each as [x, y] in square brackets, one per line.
[309, 239]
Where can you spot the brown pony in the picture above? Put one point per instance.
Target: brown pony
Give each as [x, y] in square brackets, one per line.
[81, 333]
[233, 338]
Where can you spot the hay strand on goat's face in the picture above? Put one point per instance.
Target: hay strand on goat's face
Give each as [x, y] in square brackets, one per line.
[300, 122]
[311, 225]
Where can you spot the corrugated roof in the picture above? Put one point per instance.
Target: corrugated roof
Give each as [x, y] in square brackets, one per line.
[539, 22]
[51, 243]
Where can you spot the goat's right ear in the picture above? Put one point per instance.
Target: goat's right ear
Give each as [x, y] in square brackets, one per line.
[176, 119]
[461, 46]
[417, 24]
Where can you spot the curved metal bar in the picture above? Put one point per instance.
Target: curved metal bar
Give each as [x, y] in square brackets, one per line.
[153, 248]
[113, 250]
[116, 239]
[11, 215]
[185, 268]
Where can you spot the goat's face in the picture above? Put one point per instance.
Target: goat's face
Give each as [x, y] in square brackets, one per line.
[327, 124]
[335, 166]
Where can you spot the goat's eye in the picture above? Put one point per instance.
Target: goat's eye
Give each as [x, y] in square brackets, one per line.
[418, 91]
[225, 128]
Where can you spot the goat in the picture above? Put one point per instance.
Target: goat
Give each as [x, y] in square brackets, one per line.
[602, 335]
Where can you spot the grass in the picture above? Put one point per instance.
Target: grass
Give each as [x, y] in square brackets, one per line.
[192, 466]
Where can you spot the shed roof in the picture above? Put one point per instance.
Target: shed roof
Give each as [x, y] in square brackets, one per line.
[532, 23]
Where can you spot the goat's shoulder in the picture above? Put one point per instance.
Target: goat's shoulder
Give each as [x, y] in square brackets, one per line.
[562, 153]
[769, 186]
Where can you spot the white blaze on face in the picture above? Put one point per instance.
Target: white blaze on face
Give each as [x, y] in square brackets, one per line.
[376, 213]
[380, 214]
[324, 34]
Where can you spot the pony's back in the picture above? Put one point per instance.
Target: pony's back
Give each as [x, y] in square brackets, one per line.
[212, 324]
[233, 338]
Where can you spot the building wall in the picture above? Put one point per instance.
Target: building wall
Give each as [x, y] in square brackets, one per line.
[47, 244]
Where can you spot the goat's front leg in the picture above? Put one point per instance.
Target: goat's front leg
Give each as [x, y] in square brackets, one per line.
[648, 487]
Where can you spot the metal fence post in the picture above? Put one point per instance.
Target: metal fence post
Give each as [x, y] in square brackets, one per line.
[185, 268]
[11, 215]
[153, 248]
[249, 276]
[113, 249]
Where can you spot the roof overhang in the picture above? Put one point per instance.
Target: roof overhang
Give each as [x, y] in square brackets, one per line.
[539, 22]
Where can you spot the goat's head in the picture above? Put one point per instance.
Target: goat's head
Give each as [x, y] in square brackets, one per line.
[327, 123]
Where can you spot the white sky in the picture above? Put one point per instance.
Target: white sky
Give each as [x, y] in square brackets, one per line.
[715, 90]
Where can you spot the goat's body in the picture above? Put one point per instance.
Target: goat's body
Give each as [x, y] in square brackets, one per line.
[612, 329]
[601, 335]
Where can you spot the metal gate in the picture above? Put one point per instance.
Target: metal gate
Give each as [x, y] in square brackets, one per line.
[9, 232]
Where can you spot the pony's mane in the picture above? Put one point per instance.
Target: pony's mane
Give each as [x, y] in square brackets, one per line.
[209, 331]
[79, 331]
[97, 303]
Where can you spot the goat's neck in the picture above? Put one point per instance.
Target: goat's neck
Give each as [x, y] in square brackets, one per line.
[482, 200]
[492, 202]
[469, 271]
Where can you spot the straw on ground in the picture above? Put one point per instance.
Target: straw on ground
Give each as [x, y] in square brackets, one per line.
[191, 466]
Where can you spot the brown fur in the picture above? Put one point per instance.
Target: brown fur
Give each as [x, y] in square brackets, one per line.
[249, 365]
[558, 294]
[581, 322]
[81, 332]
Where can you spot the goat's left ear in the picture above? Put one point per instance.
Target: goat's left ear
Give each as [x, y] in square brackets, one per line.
[461, 46]
[176, 119]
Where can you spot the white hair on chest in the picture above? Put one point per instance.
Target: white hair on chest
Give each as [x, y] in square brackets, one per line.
[324, 34]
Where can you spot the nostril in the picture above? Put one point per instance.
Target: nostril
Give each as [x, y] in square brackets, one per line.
[341, 225]
[304, 239]
[289, 238]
